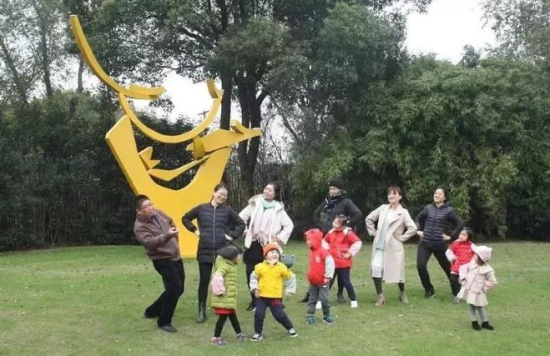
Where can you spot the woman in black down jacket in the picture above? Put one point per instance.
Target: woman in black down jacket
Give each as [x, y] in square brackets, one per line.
[336, 203]
[215, 220]
[432, 223]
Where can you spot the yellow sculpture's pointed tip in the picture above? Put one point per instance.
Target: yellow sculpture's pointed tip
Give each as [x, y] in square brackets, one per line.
[239, 128]
[146, 158]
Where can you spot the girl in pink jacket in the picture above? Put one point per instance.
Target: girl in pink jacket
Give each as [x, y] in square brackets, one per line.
[477, 278]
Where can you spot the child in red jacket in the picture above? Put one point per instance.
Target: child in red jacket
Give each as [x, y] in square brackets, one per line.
[319, 274]
[460, 253]
[342, 244]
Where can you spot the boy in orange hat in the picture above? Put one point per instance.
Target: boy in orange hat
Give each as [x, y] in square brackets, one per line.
[267, 282]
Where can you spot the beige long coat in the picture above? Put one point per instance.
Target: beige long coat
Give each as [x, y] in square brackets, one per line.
[400, 229]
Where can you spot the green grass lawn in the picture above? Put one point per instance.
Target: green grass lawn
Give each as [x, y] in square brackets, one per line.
[90, 301]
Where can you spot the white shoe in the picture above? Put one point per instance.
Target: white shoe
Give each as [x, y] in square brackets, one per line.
[353, 304]
[318, 305]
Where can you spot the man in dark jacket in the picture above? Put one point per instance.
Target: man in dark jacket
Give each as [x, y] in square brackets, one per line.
[336, 203]
[156, 231]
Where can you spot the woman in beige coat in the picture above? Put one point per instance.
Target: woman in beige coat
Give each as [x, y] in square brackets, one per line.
[267, 222]
[394, 227]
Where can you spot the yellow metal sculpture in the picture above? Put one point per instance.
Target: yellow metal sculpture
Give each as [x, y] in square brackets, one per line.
[210, 152]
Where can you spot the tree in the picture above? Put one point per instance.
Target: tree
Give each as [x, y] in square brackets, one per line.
[471, 57]
[31, 47]
[521, 26]
[247, 44]
[480, 131]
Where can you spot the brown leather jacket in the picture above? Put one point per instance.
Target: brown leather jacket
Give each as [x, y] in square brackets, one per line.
[158, 244]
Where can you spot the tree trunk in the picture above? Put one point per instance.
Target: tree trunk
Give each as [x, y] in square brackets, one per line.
[251, 118]
[10, 63]
[80, 85]
[227, 86]
[80, 88]
[45, 62]
[43, 49]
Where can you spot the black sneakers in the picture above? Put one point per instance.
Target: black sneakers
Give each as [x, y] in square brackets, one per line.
[168, 328]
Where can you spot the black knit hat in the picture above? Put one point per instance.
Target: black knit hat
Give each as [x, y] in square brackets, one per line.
[336, 182]
[229, 252]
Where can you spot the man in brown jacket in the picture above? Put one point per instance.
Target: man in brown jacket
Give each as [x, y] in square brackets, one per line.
[157, 232]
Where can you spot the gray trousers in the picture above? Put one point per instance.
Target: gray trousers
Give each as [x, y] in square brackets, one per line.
[482, 313]
[317, 293]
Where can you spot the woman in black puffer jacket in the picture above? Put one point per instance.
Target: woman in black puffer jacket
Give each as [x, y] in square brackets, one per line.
[432, 223]
[336, 203]
[215, 221]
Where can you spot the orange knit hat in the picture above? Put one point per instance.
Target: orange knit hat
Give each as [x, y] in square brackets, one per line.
[270, 247]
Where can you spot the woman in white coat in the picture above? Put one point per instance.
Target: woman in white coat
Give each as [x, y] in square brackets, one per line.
[394, 227]
[267, 222]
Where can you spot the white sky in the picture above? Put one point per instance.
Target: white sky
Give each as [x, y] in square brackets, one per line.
[448, 26]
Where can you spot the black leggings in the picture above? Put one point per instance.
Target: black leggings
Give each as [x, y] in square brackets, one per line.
[422, 258]
[221, 322]
[455, 284]
[378, 285]
[205, 270]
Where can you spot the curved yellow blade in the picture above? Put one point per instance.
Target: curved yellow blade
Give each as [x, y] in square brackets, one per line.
[216, 94]
[225, 138]
[135, 91]
[168, 175]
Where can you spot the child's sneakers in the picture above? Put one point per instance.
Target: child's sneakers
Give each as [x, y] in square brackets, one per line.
[353, 304]
[257, 337]
[487, 326]
[241, 337]
[292, 332]
[318, 306]
[328, 319]
[219, 341]
[310, 320]
[475, 326]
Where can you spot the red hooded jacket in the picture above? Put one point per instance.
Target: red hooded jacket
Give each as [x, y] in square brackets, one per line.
[317, 257]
